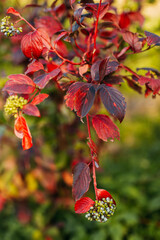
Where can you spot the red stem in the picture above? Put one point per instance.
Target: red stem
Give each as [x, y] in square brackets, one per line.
[34, 29]
[96, 30]
[93, 163]
[129, 70]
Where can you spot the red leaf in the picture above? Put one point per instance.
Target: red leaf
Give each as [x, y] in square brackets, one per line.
[19, 83]
[101, 68]
[49, 24]
[34, 66]
[81, 180]
[93, 8]
[39, 98]
[153, 83]
[104, 194]
[43, 79]
[136, 17]
[31, 110]
[13, 11]
[133, 40]
[105, 128]
[80, 97]
[83, 205]
[44, 37]
[21, 130]
[124, 20]
[152, 39]
[32, 45]
[113, 101]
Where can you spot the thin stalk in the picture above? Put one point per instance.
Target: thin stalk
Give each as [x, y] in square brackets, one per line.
[93, 163]
[96, 29]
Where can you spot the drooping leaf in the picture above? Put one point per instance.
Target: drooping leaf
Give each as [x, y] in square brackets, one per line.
[153, 83]
[83, 205]
[113, 101]
[22, 131]
[133, 40]
[31, 110]
[39, 98]
[19, 83]
[32, 45]
[152, 39]
[80, 97]
[132, 84]
[34, 66]
[105, 128]
[42, 80]
[13, 11]
[81, 180]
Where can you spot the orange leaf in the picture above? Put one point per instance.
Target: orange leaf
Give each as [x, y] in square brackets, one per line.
[13, 11]
[22, 131]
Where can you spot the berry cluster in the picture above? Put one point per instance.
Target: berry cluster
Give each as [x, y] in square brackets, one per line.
[101, 210]
[14, 103]
[8, 28]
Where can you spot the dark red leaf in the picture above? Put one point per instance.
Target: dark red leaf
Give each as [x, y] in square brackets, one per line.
[19, 83]
[43, 79]
[81, 180]
[153, 83]
[13, 11]
[95, 70]
[113, 79]
[32, 45]
[83, 205]
[113, 101]
[132, 84]
[101, 68]
[34, 66]
[49, 24]
[31, 110]
[104, 194]
[80, 97]
[21, 130]
[105, 128]
[39, 98]
[133, 40]
[152, 39]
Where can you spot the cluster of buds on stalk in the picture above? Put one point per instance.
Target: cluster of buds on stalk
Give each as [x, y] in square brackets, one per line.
[13, 104]
[102, 210]
[8, 28]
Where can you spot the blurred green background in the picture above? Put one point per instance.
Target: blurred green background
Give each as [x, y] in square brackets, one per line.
[37, 183]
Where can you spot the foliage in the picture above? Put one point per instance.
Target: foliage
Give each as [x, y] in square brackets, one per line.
[86, 60]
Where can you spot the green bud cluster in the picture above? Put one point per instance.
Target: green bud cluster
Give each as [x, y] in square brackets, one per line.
[8, 29]
[102, 210]
[13, 104]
